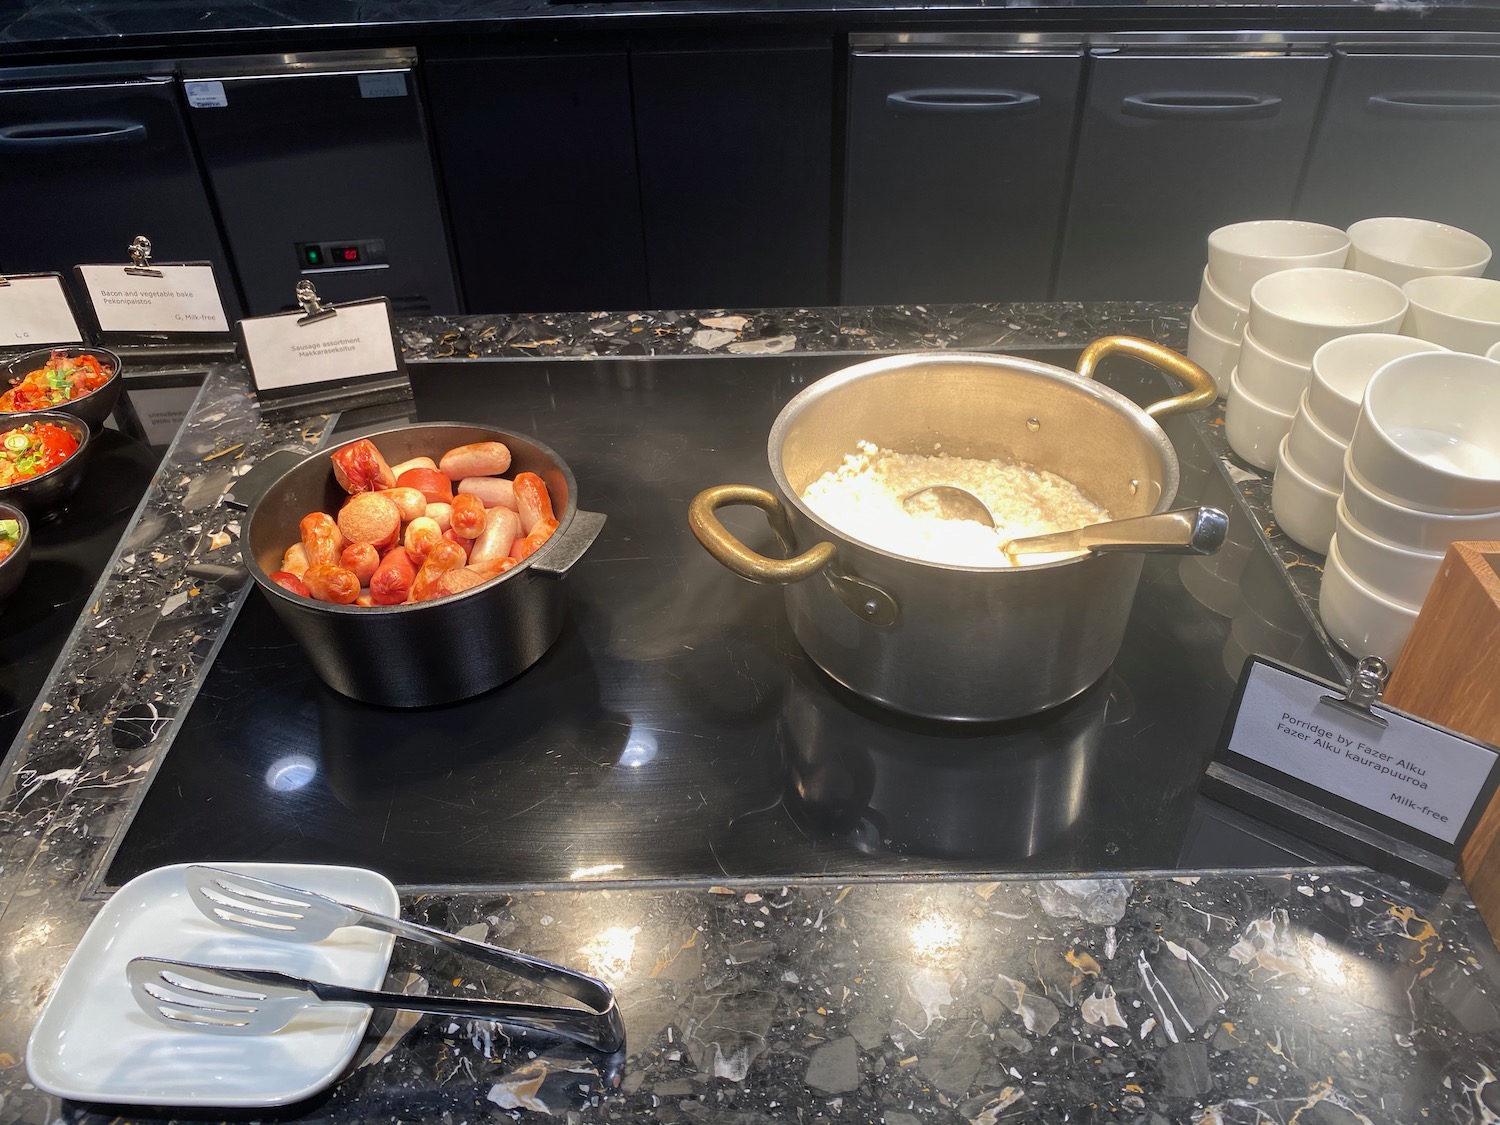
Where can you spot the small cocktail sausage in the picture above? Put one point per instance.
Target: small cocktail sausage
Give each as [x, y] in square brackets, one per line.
[479, 459]
[413, 463]
[410, 500]
[321, 539]
[359, 467]
[332, 584]
[493, 491]
[501, 526]
[532, 501]
[289, 581]
[369, 517]
[434, 485]
[391, 582]
[362, 558]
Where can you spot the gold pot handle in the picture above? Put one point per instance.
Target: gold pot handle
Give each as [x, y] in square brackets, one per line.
[1200, 391]
[729, 551]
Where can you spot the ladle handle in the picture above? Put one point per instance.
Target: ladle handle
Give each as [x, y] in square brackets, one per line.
[1200, 392]
[1184, 531]
[719, 542]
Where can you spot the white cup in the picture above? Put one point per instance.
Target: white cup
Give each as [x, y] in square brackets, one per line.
[1342, 367]
[1214, 353]
[1304, 509]
[1361, 621]
[1253, 429]
[1317, 452]
[1218, 312]
[1241, 254]
[1428, 433]
[1394, 571]
[1273, 379]
[1295, 312]
[1462, 313]
[1401, 249]
[1410, 527]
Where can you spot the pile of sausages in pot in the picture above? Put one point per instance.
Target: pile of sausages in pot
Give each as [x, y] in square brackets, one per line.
[418, 530]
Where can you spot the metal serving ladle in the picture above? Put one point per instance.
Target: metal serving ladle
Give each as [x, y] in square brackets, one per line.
[1182, 531]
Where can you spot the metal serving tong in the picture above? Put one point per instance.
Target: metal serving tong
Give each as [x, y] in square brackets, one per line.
[267, 909]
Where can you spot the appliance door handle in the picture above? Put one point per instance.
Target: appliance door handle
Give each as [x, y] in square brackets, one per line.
[1011, 103]
[1169, 105]
[1436, 105]
[43, 136]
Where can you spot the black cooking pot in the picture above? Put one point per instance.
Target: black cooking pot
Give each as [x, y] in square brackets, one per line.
[436, 651]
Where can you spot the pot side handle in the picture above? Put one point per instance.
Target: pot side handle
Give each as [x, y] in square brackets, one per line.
[733, 554]
[1200, 391]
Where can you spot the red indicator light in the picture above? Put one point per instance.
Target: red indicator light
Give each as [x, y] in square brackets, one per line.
[345, 253]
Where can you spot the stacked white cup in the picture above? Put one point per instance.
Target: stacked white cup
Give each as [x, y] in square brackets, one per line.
[1310, 461]
[1292, 314]
[1422, 470]
[1239, 255]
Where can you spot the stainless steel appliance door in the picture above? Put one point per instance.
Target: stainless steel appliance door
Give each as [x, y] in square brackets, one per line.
[957, 172]
[329, 153]
[1413, 133]
[91, 162]
[1172, 147]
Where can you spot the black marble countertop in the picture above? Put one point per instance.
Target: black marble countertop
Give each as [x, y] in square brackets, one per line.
[30, 27]
[1322, 995]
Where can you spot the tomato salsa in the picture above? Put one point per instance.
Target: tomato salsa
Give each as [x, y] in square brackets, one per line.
[30, 450]
[62, 378]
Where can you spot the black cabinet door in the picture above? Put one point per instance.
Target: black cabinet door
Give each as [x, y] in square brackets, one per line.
[86, 166]
[1171, 148]
[957, 169]
[538, 160]
[736, 152]
[1409, 134]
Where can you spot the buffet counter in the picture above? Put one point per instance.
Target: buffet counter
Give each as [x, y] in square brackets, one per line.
[1320, 992]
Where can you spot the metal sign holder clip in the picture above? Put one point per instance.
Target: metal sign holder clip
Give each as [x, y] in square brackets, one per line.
[1363, 691]
[313, 307]
[140, 254]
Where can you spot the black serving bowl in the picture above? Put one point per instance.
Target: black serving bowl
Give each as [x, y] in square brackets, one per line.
[92, 409]
[42, 495]
[13, 565]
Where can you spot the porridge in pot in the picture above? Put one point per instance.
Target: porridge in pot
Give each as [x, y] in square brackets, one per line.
[863, 498]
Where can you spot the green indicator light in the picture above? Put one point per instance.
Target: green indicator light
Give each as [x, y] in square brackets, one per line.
[314, 255]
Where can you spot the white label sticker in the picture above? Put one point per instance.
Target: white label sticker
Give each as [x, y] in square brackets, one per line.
[285, 354]
[385, 84]
[204, 94]
[34, 312]
[1409, 771]
[183, 299]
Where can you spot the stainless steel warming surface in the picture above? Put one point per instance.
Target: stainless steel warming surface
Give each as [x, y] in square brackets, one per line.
[675, 730]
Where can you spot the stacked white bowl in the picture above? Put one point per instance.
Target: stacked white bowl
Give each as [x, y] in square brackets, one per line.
[1292, 314]
[1422, 470]
[1310, 461]
[1239, 255]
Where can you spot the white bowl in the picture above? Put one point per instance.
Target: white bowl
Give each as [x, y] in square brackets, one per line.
[1396, 572]
[1493, 353]
[1342, 367]
[1304, 509]
[1217, 311]
[1317, 452]
[1462, 313]
[1297, 311]
[1393, 521]
[1214, 353]
[1274, 379]
[1402, 249]
[1241, 254]
[1428, 433]
[1360, 620]
[1253, 429]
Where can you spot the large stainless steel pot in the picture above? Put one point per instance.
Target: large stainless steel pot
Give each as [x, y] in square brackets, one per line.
[957, 642]
[437, 651]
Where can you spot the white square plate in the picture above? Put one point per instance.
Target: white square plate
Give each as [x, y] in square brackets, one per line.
[93, 1043]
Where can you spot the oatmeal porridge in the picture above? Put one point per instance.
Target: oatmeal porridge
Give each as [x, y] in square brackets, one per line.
[863, 498]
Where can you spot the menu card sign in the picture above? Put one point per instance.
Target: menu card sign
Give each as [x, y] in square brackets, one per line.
[289, 352]
[183, 299]
[1302, 755]
[35, 312]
